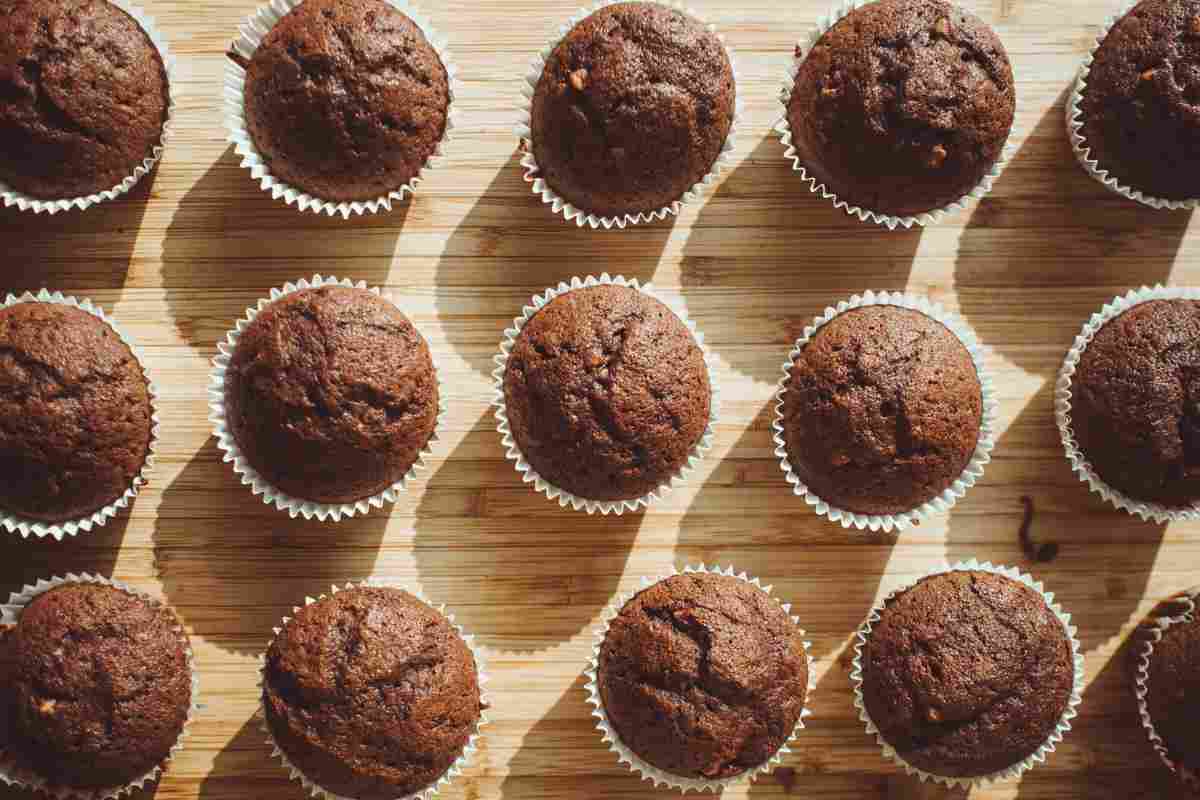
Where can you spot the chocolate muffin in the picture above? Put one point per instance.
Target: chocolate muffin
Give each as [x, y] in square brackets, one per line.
[99, 686]
[607, 393]
[75, 413]
[632, 109]
[83, 97]
[903, 106]
[703, 676]
[1135, 405]
[331, 394]
[1139, 106]
[1173, 696]
[371, 693]
[346, 99]
[882, 410]
[967, 673]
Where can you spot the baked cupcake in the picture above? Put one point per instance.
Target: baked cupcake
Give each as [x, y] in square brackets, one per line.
[76, 420]
[702, 676]
[330, 396]
[901, 108]
[85, 98]
[632, 110]
[966, 675]
[1133, 115]
[606, 393]
[99, 688]
[371, 694]
[1168, 689]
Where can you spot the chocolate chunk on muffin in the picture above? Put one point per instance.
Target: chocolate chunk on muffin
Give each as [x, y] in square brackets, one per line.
[882, 410]
[83, 97]
[632, 109]
[903, 106]
[75, 413]
[607, 393]
[967, 673]
[371, 693]
[99, 686]
[1140, 117]
[331, 394]
[703, 676]
[1135, 403]
[1173, 691]
[346, 99]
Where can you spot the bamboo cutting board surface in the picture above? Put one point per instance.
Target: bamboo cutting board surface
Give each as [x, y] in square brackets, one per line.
[198, 242]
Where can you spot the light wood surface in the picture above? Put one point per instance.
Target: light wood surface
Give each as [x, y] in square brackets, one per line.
[177, 262]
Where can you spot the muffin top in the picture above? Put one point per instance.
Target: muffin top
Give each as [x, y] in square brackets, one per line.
[371, 693]
[346, 99]
[1141, 107]
[903, 106]
[331, 394]
[75, 414]
[632, 109]
[703, 676]
[967, 673]
[1173, 695]
[98, 683]
[607, 393]
[1135, 405]
[882, 410]
[83, 97]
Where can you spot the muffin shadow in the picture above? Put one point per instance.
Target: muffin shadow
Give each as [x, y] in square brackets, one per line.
[25, 561]
[244, 768]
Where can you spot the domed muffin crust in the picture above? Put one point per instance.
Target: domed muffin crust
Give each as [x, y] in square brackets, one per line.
[632, 109]
[903, 106]
[703, 676]
[99, 685]
[75, 413]
[83, 97]
[1174, 691]
[331, 394]
[371, 693]
[607, 393]
[1135, 404]
[882, 411]
[346, 99]
[1141, 107]
[967, 673]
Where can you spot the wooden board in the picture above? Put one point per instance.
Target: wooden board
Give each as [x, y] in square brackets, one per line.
[177, 262]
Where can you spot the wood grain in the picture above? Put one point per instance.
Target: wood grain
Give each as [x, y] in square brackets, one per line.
[180, 259]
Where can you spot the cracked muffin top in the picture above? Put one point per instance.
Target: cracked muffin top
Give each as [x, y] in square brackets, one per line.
[632, 109]
[882, 410]
[331, 394]
[75, 413]
[98, 685]
[1173, 696]
[1141, 107]
[903, 106]
[1135, 405]
[607, 393]
[967, 673]
[371, 693]
[703, 676]
[83, 97]
[346, 99]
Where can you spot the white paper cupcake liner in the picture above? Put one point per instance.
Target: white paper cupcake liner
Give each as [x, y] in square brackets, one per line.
[581, 217]
[1079, 144]
[24, 202]
[273, 495]
[13, 774]
[1062, 406]
[635, 763]
[513, 451]
[26, 526]
[252, 32]
[783, 128]
[987, 433]
[1142, 685]
[460, 764]
[1047, 747]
